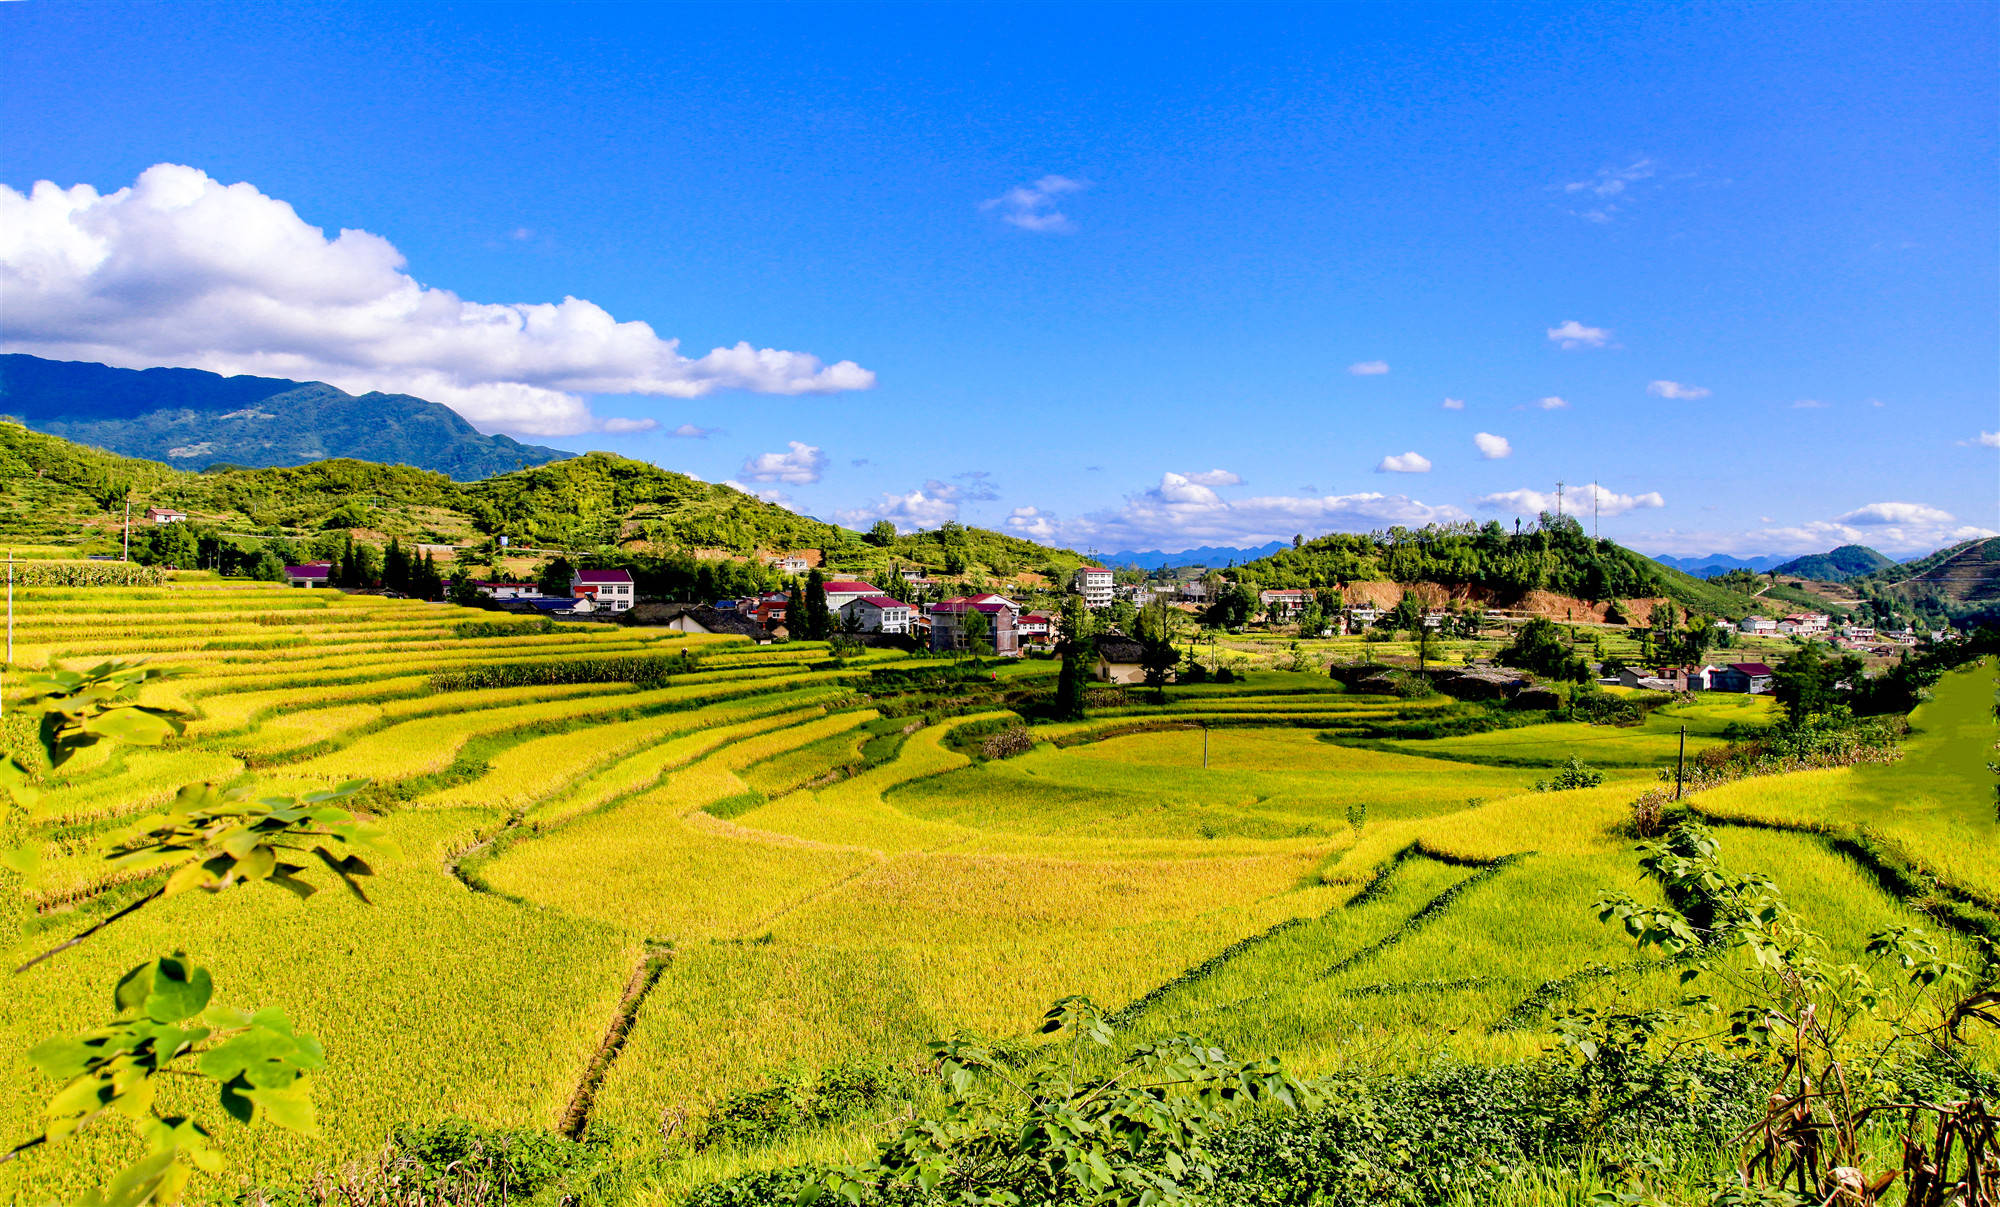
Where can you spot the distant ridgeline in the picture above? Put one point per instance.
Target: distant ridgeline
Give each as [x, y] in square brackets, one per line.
[1966, 575]
[1837, 565]
[52, 490]
[194, 419]
[1555, 555]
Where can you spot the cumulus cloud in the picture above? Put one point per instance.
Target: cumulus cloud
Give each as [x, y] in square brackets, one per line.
[1900, 529]
[770, 494]
[1180, 513]
[1983, 440]
[1674, 389]
[688, 431]
[1571, 335]
[1369, 368]
[1033, 524]
[928, 506]
[624, 423]
[1454, 404]
[1808, 404]
[1492, 447]
[1404, 463]
[1032, 207]
[800, 465]
[1575, 502]
[1552, 403]
[1214, 477]
[180, 269]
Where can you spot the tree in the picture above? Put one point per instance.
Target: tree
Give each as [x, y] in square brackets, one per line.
[395, 567]
[1233, 607]
[1076, 646]
[1405, 615]
[1155, 632]
[1804, 683]
[882, 535]
[814, 622]
[974, 633]
[1540, 647]
[555, 577]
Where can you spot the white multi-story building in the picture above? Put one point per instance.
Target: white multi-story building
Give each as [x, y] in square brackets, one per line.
[1758, 626]
[877, 614]
[841, 592]
[1094, 584]
[611, 589]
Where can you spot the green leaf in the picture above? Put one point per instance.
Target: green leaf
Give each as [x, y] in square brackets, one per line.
[177, 992]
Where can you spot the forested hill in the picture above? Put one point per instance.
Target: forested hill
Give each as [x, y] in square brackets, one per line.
[193, 419]
[58, 492]
[1837, 565]
[1555, 555]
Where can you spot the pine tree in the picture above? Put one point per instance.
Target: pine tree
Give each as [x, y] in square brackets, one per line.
[1076, 646]
[396, 567]
[816, 624]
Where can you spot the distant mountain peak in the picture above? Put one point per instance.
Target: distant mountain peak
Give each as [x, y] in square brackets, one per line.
[192, 418]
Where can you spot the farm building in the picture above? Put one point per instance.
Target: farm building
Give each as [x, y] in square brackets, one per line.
[1753, 677]
[1118, 660]
[312, 574]
[698, 618]
[165, 515]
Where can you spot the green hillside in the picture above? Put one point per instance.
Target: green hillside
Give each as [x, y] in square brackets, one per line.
[1836, 565]
[1556, 555]
[56, 492]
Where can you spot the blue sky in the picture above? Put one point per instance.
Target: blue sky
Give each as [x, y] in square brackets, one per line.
[1111, 276]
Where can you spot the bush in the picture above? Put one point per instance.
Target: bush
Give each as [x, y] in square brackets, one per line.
[793, 1103]
[1573, 775]
[1007, 743]
[642, 671]
[503, 628]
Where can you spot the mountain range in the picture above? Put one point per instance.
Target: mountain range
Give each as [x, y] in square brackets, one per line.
[1217, 556]
[194, 419]
[1721, 563]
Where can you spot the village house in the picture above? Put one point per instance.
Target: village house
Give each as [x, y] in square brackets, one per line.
[507, 590]
[948, 618]
[1360, 618]
[1036, 629]
[769, 610]
[1194, 590]
[1664, 679]
[841, 592]
[165, 515]
[1118, 660]
[700, 618]
[876, 614]
[792, 563]
[1752, 677]
[1860, 632]
[1284, 603]
[1094, 584]
[1758, 626]
[312, 574]
[610, 588]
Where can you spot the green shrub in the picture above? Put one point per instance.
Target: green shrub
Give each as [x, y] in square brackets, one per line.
[1573, 775]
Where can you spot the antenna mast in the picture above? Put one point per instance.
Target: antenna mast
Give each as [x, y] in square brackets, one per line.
[1559, 496]
[1594, 535]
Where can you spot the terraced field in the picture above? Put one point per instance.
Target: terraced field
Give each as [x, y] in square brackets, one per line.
[822, 872]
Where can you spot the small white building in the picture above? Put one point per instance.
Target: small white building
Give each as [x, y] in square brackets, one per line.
[789, 563]
[877, 614]
[1284, 602]
[165, 515]
[507, 590]
[843, 591]
[1094, 584]
[611, 589]
[1758, 626]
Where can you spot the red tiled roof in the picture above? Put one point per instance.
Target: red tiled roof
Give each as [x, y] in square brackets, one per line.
[850, 587]
[1752, 668]
[1094, 569]
[603, 576]
[310, 570]
[881, 601]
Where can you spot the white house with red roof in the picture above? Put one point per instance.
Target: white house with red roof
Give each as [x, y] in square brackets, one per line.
[165, 515]
[1094, 583]
[769, 610]
[843, 591]
[877, 614]
[1002, 629]
[1036, 628]
[611, 589]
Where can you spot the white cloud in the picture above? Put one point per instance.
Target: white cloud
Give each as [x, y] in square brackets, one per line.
[688, 431]
[1369, 368]
[1179, 514]
[770, 494]
[182, 270]
[1572, 334]
[1895, 513]
[801, 465]
[1032, 207]
[1808, 404]
[1984, 440]
[622, 423]
[1552, 403]
[1404, 463]
[1214, 477]
[1674, 389]
[1454, 404]
[1576, 502]
[1492, 447]
[1032, 523]
[1899, 529]
[1611, 189]
[925, 507]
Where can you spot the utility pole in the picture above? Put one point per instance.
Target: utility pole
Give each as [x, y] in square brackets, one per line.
[1595, 535]
[1559, 496]
[128, 527]
[1680, 764]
